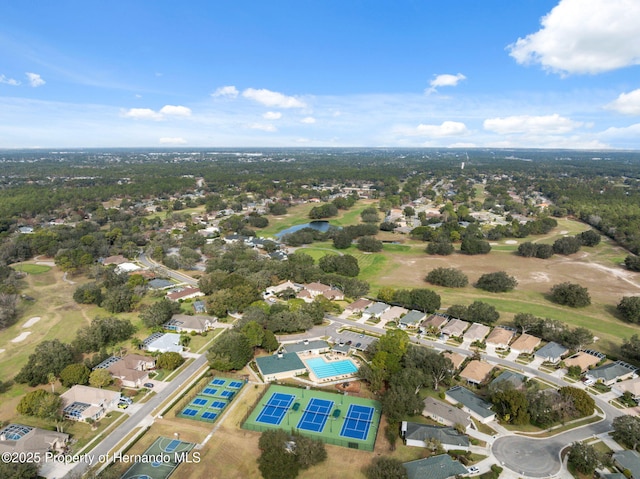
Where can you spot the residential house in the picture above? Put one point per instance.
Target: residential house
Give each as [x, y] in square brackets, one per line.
[476, 332]
[500, 337]
[551, 352]
[312, 290]
[412, 319]
[358, 306]
[184, 323]
[117, 259]
[471, 403]
[517, 380]
[584, 359]
[631, 386]
[279, 288]
[434, 322]
[628, 461]
[18, 438]
[307, 347]
[184, 293]
[127, 267]
[476, 372]
[160, 284]
[200, 307]
[456, 359]
[435, 467]
[392, 314]
[280, 366]
[612, 372]
[423, 435]
[84, 403]
[454, 327]
[375, 310]
[525, 344]
[445, 413]
[132, 370]
[163, 343]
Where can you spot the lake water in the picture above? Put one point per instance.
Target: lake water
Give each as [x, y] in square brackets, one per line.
[322, 226]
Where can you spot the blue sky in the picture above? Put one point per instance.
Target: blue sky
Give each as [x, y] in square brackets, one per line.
[402, 73]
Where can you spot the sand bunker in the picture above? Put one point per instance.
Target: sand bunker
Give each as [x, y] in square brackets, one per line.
[1, 351]
[31, 322]
[22, 337]
[564, 232]
[511, 242]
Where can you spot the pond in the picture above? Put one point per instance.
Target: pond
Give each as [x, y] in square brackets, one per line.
[322, 226]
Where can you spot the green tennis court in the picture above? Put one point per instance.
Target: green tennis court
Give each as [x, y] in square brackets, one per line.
[160, 460]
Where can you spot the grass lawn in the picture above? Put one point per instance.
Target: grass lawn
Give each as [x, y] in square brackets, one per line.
[32, 268]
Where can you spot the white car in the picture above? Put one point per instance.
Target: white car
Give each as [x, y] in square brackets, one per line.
[473, 470]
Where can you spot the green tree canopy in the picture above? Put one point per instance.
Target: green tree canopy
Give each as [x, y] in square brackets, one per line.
[498, 282]
[629, 308]
[169, 360]
[76, 373]
[447, 277]
[385, 468]
[230, 351]
[570, 294]
[100, 378]
[48, 357]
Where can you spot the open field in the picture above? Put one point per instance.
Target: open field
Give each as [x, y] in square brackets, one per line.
[32, 268]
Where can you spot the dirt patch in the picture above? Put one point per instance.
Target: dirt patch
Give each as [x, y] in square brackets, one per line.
[31, 322]
[539, 276]
[511, 242]
[2, 351]
[21, 337]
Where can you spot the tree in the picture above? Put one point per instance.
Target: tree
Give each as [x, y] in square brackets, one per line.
[583, 457]
[481, 312]
[158, 313]
[89, 293]
[254, 333]
[19, 470]
[342, 240]
[48, 357]
[589, 238]
[369, 215]
[276, 460]
[626, 430]
[631, 348]
[526, 321]
[8, 309]
[424, 300]
[169, 361]
[567, 245]
[580, 400]
[385, 468]
[632, 262]
[369, 244]
[76, 373]
[447, 277]
[269, 341]
[511, 404]
[570, 294]
[441, 247]
[118, 299]
[308, 451]
[498, 282]
[473, 246]
[30, 402]
[230, 351]
[100, 378]
[629, 308]
[103, 332]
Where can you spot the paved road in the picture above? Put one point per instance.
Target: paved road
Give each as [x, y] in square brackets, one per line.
[139, 418]
[178, 276]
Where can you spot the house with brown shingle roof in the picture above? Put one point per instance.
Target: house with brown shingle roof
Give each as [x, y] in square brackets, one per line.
[500, 337]
[132, 370]
[455, 327]
[583, 359]
[476, 332]
[456, 358]
[476, 372]
[117, 259]
[18, 438]
[525, 344]
[632, 386]
[393, 313]
[359, 305]
[184, 293]
[435, 321]
[83, 403]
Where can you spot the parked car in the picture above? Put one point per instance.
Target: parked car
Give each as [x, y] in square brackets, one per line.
[148, 385]
[473, 470]
[358, 345]
[123, 405]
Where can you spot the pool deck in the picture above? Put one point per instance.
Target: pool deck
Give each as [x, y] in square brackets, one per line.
[328, 358]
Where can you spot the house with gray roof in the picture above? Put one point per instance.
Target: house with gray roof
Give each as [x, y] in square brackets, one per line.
[280, 366]
[628, 460]
[412, 319]
[551, 352]
[310, 347]
[187, 323]
[420, 435]
[517, 380]
[159, 283]
[375, 310]
[612, 372]
[163, 343]
[445, 413]
[435, 467]
[471, 403]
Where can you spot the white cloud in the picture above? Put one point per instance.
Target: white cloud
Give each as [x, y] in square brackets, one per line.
[165, 111]
[547, 124]
[175, 110]
[272, 115]
[309, 120]
[445, 79]
[142, 114]
[272, 98]
[35, 80]
[9, 81]
[627, 103]
[263, 127]
[446, 128]
[226, 92]
[168, 140]
[580, 36]
[631, 132]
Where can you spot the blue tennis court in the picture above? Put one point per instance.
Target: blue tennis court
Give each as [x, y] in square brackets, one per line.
[199, 402]
[235, 385]
[209, 415]
[227, 394]
[274, 410]
[210, 391]
[357, 422]
[217, 382]
[190, 412]
[315, 416]
[218, 405]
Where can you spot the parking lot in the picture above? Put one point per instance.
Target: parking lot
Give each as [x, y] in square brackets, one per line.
[359, 341]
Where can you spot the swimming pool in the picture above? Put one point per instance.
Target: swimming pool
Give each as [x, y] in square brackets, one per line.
[323, 369]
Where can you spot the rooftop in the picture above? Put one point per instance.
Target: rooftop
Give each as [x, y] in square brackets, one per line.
[424, 432]
[525, 343]
[434, 467]
[500, 336]
[551, 351]
[279, 363]
[306, 346]
[476, 371]
[474, 402]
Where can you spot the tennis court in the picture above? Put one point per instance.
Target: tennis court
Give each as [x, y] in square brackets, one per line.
[209, 403]
[274, 410]
[169, 452]
[333, 418]
[315, 416]
[357, 422]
